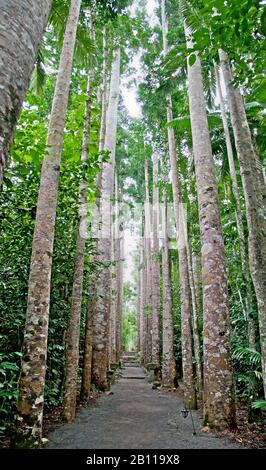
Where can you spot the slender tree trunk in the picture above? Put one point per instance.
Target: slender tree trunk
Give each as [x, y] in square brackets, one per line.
[239, 219]
[104, 94]
[196, 268]
[186, 335]
[139, 311]
[32, 378]
[73, 335]
[219, 408]
[168, 360]
[142, 294]
[119, 308]
[115, 277]
[87, 364]
[155, 273]
[195, 329]
[255, 197]
[102, 315]
[21, 29]
[148, 272]
[86, 375]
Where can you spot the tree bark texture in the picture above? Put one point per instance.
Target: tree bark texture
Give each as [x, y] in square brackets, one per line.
[251, 330]
[148, 272]
[73, 335]
[21, 29]
[186, 334]
[155, 272]
[219, 408]
[255, 199]
[32, 379]
[102, 314]
[168, 360]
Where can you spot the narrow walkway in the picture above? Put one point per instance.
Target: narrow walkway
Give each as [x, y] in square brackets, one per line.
[135, 417]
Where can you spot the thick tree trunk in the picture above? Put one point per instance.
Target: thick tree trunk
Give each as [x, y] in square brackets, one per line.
[72, 352]
[32, 379]
[168, 360]
[21, 29]
[239, 219]
[102, 314]
[155, 273]
[255, 199]
[186, 335]
[219, 408]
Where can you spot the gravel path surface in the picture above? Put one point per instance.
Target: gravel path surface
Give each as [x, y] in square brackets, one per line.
[135, 417]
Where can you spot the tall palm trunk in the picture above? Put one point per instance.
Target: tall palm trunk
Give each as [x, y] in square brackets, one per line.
[33, 368]
[155, 273]
[255, 197]
[218, 379]
[239, 219]
[21, 29]
[186, 335]
[102, 315]
[168, 361]
[73, 334]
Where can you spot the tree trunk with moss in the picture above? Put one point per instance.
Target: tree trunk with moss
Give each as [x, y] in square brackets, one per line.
[168, 360]
[148, 272]
[102, 314]
[219, 410]
[155, 264]
[87, 362]
[255, 199]
[22, 26]
[251, 330]
[186, 334]
[33, 367]
[73, 334]
[119, 298]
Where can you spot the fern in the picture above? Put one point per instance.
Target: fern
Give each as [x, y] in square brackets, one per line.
[249, 356]
[259, 405]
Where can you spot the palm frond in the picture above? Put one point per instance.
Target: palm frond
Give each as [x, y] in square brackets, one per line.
[250, 356]
[259, 405]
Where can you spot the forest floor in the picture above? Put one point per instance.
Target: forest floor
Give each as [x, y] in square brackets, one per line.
[135, 416]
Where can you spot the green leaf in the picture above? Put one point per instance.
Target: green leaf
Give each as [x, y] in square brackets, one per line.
[192, 59]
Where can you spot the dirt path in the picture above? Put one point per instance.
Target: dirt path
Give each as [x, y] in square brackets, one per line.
[135, 417]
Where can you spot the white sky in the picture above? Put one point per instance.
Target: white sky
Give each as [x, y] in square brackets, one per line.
[130, 93]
